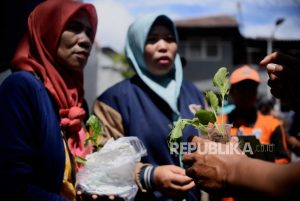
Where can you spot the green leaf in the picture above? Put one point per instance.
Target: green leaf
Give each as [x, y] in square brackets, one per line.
[203, 129]
[205, 117]
[80, 159]
[176, 132]
[94, 123]
[86, 142]
[221, 81]
[213, 100]
[195, 122]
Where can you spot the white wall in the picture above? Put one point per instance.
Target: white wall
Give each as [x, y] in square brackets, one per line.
[99, 75]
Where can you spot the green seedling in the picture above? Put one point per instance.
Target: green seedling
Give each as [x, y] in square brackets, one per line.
[95, 132]
[203, 117]
[94, 135]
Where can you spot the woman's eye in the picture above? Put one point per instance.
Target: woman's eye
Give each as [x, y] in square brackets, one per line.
[170, 38]
[75, 27]
[151, 40]
[89, 32]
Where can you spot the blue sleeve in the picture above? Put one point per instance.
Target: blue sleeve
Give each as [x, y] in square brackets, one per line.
[118, 97]
[113, 95]
[18, 145]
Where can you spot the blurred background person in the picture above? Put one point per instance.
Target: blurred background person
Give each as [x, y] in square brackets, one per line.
[247, 120]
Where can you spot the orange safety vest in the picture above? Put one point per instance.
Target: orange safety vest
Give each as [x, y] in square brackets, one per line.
[263, 129]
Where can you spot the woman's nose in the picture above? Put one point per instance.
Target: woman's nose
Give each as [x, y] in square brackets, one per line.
[84, 40]
[162, 45]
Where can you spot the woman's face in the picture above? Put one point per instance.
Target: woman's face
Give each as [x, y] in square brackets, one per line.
[160, 50]
[75, 42]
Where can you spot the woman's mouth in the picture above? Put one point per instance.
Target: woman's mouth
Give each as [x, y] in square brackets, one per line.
[164, 61]
[82, 55]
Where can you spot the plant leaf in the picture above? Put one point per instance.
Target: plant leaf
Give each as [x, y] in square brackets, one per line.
[80, 159]
[213, 100]
[203, 129]
[176, 132]
[205, 117]
[221, 81]
[195, 122]
[94, 123]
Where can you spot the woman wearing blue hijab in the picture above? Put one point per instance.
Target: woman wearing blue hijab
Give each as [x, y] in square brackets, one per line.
[147, 105]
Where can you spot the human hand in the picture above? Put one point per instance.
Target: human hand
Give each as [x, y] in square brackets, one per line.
[172, 181]
[84, 196]
[211, 169]
[294, 144]
[284, 73]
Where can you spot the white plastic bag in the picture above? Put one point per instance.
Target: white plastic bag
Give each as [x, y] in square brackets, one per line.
[110, 171]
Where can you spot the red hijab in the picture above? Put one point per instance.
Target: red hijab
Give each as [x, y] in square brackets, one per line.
[37, 53]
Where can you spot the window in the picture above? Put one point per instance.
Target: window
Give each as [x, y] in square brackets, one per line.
[212, 49]
[194, 49]
[203, 49]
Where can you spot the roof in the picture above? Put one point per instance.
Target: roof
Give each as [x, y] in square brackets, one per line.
[210, 21]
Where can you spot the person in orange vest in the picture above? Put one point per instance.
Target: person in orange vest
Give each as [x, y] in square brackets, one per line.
[247, 120]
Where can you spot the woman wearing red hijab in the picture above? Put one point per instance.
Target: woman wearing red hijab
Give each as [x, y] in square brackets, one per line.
[41, 112]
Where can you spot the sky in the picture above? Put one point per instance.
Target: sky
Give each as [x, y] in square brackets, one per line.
[256, 17]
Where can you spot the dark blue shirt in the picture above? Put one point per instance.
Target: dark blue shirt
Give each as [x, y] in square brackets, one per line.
[32, 156]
